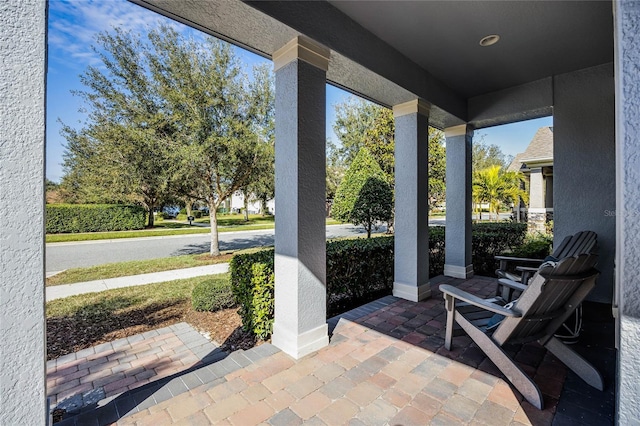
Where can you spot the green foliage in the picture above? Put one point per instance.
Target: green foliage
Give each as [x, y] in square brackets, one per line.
[492, 239]
[535, 246]
[484, 155]
[122, 152]
[212, 295]
[262, 281]
[498, 187]
[93, 218]
[358, 270]
[223, 125]
[363, 197]
[243, 283]
[362, 124]
[170, 117]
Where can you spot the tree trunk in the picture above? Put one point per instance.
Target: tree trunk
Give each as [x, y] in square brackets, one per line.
[187, 205]
[151, 217]
[213, 220]
[263, 210]
[246, 206]
[369, 225]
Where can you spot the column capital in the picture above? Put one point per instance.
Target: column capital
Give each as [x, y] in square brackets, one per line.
[460, 130]
[412, 107]
[304, 49]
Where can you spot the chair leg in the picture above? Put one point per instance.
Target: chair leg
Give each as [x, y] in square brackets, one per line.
[576, 363]
[515, 375]
[450, 305]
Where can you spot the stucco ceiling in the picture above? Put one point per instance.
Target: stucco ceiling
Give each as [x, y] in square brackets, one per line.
[537, 38]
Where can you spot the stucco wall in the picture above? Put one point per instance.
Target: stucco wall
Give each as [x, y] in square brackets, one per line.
[627, 22]
[584, 164]
[22, 125]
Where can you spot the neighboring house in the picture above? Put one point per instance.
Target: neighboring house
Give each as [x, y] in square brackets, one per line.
[436, 63]
[254, 207]
[536, 163]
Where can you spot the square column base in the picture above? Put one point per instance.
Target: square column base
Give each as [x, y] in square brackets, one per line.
[302, 344]
[412, 292]
[455, 271]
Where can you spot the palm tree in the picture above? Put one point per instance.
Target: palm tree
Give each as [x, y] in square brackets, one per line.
[514, 188]
[497, 187]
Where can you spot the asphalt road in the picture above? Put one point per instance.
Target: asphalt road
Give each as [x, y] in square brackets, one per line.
[61, 256]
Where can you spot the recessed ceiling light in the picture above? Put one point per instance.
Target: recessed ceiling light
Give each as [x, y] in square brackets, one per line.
[489, 40]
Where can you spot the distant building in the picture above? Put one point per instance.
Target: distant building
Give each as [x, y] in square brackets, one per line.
[254, 206]
[536, 162]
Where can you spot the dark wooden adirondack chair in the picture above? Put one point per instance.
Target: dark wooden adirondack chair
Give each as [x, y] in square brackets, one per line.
[572, 245]
[551, 297]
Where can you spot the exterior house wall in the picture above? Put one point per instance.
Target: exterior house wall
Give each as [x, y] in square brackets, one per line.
[584, 164]
[627, 22]
[237, 203]
[22, 134]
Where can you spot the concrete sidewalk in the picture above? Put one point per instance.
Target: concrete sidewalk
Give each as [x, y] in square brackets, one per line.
[66, 290]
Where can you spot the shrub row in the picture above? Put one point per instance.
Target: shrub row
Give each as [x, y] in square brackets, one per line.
[357, 270]
[492, 239]
[93, 218]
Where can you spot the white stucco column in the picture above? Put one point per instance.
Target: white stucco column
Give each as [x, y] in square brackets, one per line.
[458, 263]
[23, 29]
[300, 260]
[411, 223]
[537, 213]
[627, 79]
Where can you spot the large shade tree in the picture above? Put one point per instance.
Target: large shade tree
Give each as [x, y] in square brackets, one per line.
[223, 123]
[170, 116]
[121, 153]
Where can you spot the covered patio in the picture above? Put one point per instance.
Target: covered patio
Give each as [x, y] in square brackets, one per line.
[385, 364]
[431, 63]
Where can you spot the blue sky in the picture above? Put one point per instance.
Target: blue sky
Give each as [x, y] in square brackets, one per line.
[72, 29]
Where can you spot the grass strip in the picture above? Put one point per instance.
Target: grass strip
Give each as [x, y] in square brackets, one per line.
[135, 267]
[166, 228]
[117, 301]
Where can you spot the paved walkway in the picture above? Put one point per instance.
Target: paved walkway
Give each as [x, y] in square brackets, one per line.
[66, 290]
[386, 364]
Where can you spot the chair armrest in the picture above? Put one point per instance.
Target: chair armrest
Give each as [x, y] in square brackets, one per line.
[519, 259]
[526, 269]
[512, 284]
[476, 301]
[527, 273]
[504, 261]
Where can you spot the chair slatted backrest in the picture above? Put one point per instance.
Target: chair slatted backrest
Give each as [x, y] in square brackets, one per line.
[581, 242]
[552, 294]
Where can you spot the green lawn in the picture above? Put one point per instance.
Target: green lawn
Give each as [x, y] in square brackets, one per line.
[78, 322]
[135, 267]
[226, 223]
[111, 302]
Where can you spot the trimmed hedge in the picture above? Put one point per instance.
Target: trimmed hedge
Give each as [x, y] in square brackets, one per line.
[357, 270]
[212, 295]
[243, 283]
[93, 218]
[493, 239]
[537, 246]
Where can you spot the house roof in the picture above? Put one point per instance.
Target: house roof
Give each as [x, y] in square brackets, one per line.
[516, 163]
[540, 148]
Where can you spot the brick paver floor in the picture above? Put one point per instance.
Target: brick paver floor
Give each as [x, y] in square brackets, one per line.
[385, 365]
[83, 378]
